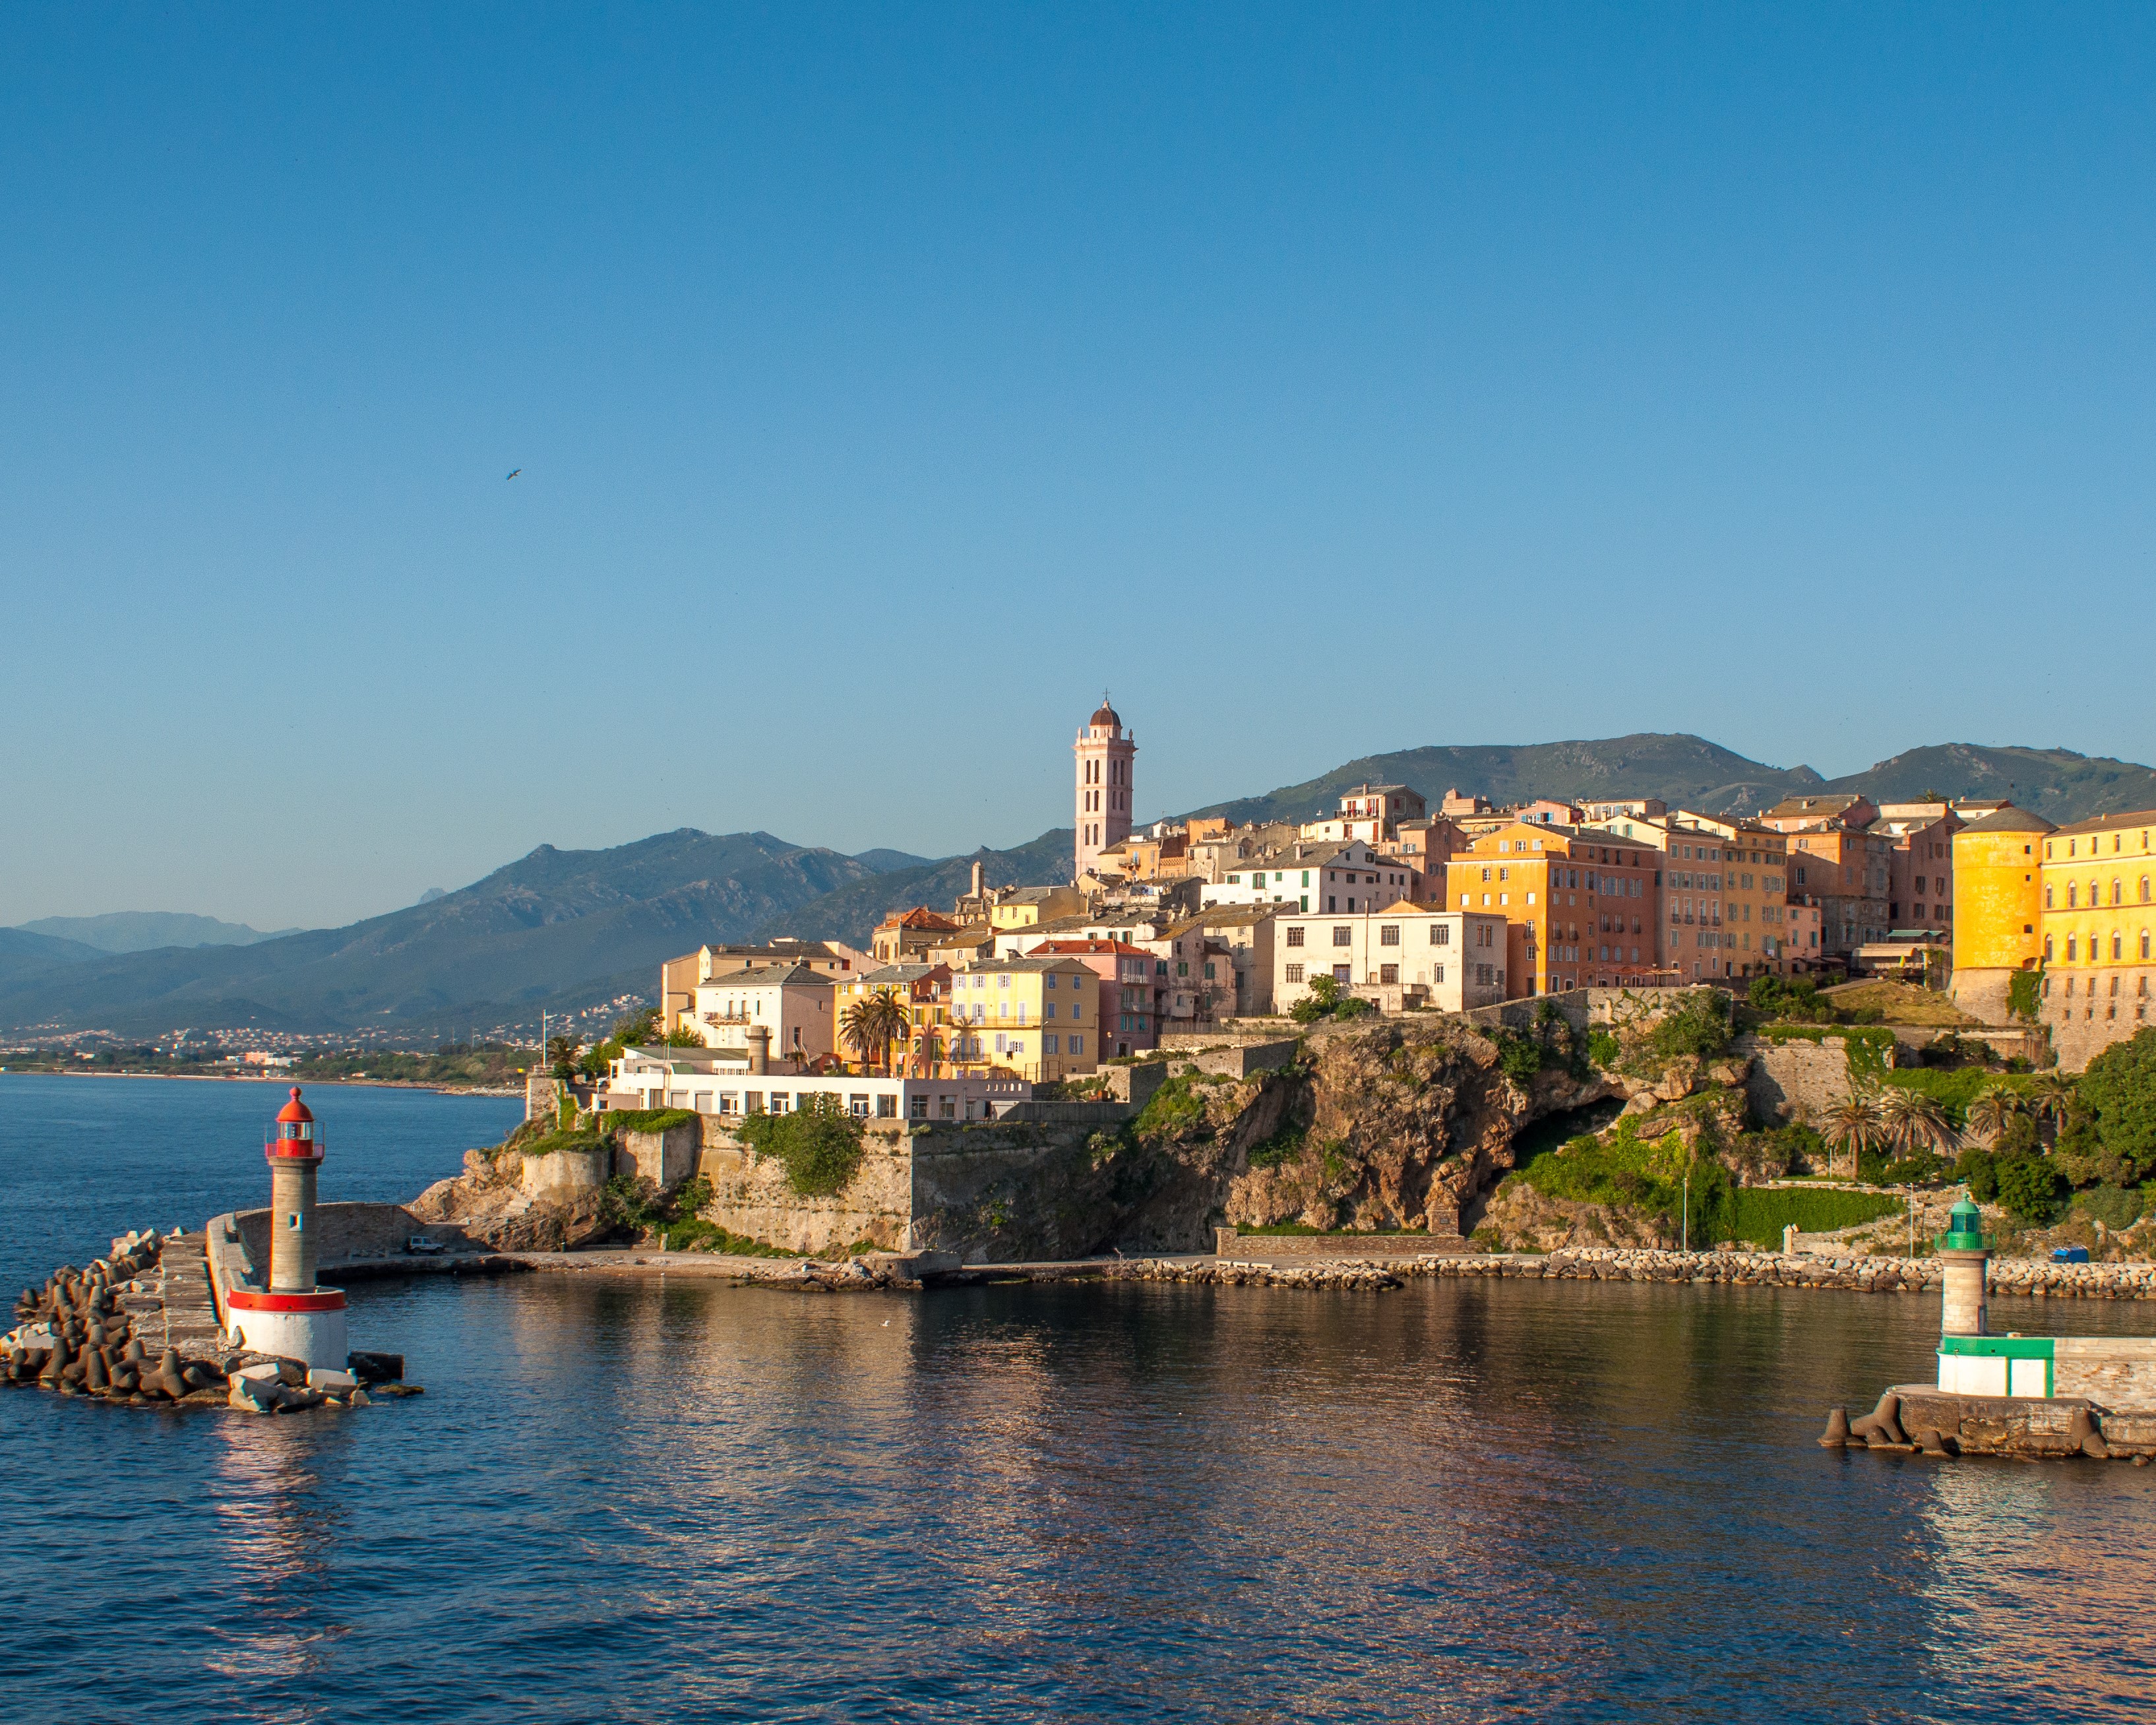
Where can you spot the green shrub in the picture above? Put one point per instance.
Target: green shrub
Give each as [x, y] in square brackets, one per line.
[2118, 1093]
[1952, 1089]
[2030, 1188]
[1352, 1009]
[820, 1145]
[647, 1120]
[1172, 1110]
[1794, 999]
[1699, 1026]
[1519, 1057]
[1759, 1214]
[1283, 1146]
[2114, 1206]
[1602, 1048]
[1980, 1170]
[692, 1234]
[548, 1143]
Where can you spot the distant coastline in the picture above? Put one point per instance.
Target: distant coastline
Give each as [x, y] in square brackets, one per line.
[443, 1089]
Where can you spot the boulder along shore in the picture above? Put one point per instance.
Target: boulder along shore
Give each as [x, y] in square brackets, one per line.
[1854, 1275]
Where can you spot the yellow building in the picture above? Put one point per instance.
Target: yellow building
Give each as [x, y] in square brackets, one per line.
[1035, 1018]
[1996, 931]
[2097, 919]
[1026, 906]
[1583, 905]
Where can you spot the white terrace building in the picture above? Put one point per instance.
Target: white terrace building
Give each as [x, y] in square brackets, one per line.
[788, 1008]
[719, 1081]
[1451, 960]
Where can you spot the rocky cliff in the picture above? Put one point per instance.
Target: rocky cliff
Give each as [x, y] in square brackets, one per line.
[1399, 1123]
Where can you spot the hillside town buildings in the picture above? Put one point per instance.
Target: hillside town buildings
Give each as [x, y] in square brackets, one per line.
[1169, 930]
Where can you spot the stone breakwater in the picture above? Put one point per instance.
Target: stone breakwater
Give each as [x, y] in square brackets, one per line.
[1861, 1274]
[1793, 1270]
[137, 1328]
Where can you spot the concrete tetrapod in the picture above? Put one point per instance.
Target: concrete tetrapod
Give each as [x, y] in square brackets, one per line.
[1882, 1428]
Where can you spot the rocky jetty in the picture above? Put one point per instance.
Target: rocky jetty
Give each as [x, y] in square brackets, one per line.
[135, 1328]
[1230, 1273]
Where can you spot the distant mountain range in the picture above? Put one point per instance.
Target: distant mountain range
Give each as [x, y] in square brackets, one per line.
[145, 931]
[561, 930]
[555, 929]
[1690, 772]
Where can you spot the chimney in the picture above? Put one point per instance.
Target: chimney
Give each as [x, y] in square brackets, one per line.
[758, 1037]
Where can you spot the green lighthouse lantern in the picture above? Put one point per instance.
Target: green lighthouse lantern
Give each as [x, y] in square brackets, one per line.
[1964, 1229]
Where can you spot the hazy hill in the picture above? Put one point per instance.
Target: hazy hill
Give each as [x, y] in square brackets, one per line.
[1679, 769]
[851, 912]
[2056, 783]
[24, 954]
[1690, 772]
[143, 931]
[552, 925]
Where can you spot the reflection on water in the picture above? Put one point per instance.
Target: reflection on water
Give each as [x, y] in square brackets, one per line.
[657, 1499]
[662, 1500]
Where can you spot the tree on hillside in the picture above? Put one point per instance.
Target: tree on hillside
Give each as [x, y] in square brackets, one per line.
[2050, 1095]
[1912, 1121]
[635, 1029]
[2118, 1096]
[562, 1055]
[1995, 1104]
[1854, 1125]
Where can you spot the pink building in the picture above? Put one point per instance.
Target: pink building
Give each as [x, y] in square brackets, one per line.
[1129, 1020]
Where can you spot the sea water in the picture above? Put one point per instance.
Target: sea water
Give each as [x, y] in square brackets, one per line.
[673, 1499]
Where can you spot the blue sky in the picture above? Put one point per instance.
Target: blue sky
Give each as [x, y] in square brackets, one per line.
[887, 381]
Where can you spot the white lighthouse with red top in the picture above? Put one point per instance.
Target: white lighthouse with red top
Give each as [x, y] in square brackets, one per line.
[292, 1316]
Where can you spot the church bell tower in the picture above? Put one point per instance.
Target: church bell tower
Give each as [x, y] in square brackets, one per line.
[1104, 752]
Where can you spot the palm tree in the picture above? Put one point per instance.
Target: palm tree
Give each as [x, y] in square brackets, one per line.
[1913, 1122]
[885, 1014]
[1995, 1104]
[1855, 1125]
[858, 1026]
[2051, 1094]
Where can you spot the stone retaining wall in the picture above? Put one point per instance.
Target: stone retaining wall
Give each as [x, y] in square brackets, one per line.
[666, 1158]
[1797, 1079]
[750, 1197]
[560, 1172]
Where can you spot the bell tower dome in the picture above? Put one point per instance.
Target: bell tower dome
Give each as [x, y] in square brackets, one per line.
[1104, 752]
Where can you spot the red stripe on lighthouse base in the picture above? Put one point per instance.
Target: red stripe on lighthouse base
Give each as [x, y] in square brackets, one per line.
[319, 1300]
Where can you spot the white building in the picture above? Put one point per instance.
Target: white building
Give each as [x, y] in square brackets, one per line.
[1451, 960]
[1350, 877]
[786, 1007]
[718, 1082]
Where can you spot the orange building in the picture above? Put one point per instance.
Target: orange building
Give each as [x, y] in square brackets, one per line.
[1583, 907]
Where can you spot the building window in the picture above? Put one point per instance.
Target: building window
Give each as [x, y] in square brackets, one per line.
[858, 1106]
[1388, 935]
[1343, 935]
[1294, 974]
[1440, 934]
[1437, 975]
[1388, 972]
[1295, 936]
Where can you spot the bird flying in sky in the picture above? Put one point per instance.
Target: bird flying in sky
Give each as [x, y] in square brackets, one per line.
[513, 475]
